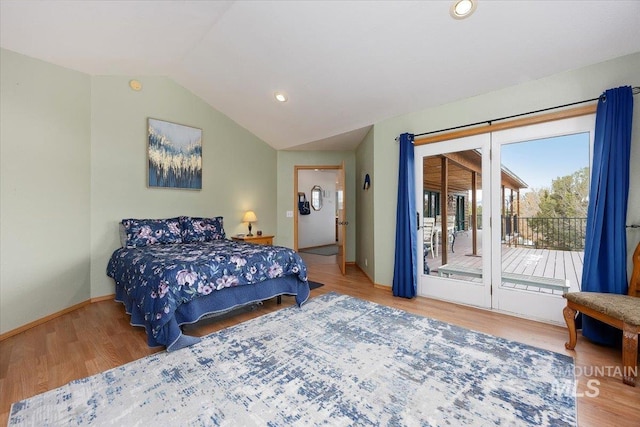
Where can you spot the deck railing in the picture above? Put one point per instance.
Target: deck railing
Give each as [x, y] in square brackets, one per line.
[565, 234]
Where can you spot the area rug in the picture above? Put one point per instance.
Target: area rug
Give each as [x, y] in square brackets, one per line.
[321, 250]
[336, 361]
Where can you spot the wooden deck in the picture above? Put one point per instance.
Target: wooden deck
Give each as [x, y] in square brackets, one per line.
[521, 260]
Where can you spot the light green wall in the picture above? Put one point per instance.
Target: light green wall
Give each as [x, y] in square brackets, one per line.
[365, 237]
[287, 201]
[558, 89]
[238, 168]
[74, 164]
[45, 145]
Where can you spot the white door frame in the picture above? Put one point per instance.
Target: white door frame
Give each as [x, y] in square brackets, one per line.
[537, 306]
[459, 291]
[342, 230]
[532, 305]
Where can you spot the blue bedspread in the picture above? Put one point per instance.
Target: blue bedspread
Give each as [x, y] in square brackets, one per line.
[158, 279]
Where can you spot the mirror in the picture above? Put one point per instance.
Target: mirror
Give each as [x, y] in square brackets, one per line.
[316, 197]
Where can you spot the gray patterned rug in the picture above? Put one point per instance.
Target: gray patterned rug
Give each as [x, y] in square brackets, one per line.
[336, 361]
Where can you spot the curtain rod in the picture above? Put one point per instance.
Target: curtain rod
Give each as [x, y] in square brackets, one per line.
[635, 90]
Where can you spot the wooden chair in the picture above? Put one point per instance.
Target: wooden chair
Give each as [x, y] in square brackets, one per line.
[447, 235]
[427, 235]
[619, 311]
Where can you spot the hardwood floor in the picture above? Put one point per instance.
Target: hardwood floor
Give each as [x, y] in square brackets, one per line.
[98, 337]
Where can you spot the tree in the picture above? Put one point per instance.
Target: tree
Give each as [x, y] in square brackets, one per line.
[560, 222]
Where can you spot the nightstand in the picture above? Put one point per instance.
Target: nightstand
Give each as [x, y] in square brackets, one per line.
[257, 240]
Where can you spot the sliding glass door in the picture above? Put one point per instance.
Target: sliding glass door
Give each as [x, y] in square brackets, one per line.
[451, 192]
[539, 224]
[502, 217]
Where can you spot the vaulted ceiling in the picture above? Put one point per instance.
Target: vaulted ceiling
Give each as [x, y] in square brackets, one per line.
[344, 65]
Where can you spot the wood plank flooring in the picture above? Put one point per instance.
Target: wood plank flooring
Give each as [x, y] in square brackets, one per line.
[519, 260]
[98, 337]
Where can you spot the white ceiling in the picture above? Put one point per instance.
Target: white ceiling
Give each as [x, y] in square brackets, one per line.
[345, 65]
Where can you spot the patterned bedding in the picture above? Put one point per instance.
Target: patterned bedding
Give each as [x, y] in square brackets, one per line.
[156, 281]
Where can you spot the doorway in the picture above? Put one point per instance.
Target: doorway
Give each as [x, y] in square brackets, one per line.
[319, 232]
[485, 238]
[452, 264]
[539, 233]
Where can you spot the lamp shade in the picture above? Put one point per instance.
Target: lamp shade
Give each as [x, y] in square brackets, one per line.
[249, 216]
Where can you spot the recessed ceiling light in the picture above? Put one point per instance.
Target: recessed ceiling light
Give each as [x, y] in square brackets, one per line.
[281, 97]
[461, 9]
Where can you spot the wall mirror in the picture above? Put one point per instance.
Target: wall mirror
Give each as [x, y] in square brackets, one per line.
[316, 197]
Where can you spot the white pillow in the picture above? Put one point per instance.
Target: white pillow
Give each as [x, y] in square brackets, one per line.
[123, 235]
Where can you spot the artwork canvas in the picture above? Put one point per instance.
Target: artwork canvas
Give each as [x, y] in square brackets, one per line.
[175, 155]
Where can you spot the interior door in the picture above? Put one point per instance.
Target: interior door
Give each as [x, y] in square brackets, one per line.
[452, 264]
[341, 219]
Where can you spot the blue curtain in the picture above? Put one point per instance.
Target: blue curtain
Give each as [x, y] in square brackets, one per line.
[406, 257]
[605, 253]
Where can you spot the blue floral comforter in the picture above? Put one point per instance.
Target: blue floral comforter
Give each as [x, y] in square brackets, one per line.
[159, 278]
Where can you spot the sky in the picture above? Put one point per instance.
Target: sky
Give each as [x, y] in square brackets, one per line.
[538, 162]
[181, 136]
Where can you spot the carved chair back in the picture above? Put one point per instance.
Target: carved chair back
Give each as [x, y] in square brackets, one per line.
[634, 283]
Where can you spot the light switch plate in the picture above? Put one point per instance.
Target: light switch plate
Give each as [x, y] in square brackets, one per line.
[289, 214]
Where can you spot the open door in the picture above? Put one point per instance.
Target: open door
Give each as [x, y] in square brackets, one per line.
[341, 219]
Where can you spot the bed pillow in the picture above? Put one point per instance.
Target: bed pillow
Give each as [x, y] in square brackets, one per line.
[201, 229]
[123, 235]
[145, 232]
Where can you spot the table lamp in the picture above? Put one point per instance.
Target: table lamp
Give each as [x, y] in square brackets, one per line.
[249, 216]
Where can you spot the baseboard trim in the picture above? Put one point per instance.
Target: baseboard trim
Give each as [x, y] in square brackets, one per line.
[103, 298]
[52, 316]
[375, 285]
[382, 287]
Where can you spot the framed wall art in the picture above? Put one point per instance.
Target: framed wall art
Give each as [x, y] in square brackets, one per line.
[175, 155]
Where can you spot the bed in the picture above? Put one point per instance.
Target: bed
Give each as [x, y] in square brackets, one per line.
[176, 271]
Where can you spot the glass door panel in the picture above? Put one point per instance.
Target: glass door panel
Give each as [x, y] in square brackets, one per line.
[541, 174]
[449, 187]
